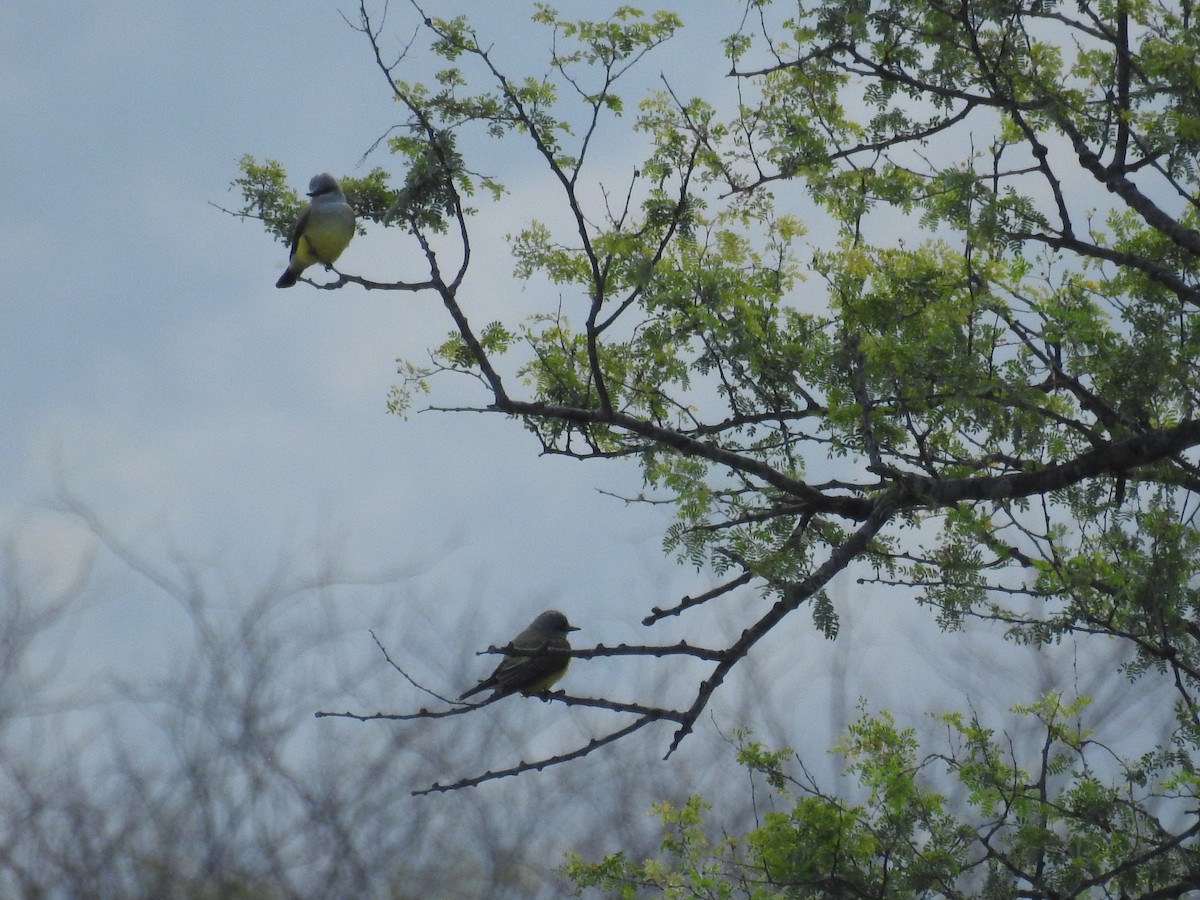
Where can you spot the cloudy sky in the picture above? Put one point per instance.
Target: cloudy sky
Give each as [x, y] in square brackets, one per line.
[150, 368]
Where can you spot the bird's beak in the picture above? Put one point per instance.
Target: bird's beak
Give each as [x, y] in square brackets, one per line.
[572, 628]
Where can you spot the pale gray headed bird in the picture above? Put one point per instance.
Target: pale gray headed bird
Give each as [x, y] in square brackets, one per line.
[531, 674]
[323, 230]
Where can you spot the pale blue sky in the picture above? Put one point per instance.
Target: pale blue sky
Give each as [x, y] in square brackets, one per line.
[146, 350]
[148, 358]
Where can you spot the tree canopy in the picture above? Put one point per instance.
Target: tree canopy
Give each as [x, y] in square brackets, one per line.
[923, 302]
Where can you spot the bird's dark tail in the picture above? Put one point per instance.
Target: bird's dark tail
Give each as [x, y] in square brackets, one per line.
[475, 690]
[287, 279]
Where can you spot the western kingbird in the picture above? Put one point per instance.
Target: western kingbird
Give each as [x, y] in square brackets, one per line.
[322, 231]
[531, 674]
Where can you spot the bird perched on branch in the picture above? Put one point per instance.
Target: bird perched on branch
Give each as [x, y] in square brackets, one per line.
[531, 674]
[323, 230]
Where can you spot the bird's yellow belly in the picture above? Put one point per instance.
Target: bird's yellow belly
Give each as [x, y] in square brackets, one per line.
[323, 245]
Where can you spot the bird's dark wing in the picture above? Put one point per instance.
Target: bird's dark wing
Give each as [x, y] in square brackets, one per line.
[507, 671]
[517, 673]
[298, 229]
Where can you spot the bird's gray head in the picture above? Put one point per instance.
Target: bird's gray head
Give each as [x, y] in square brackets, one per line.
[553, 620]
[323, 184]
